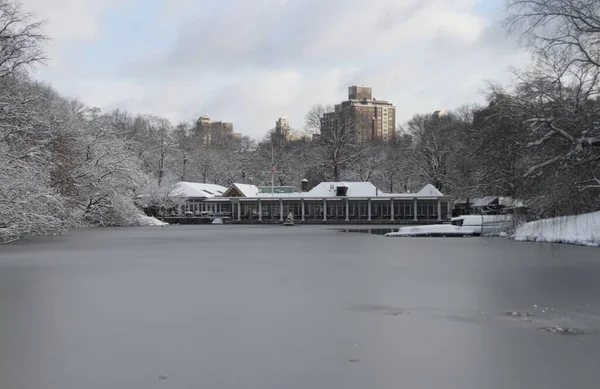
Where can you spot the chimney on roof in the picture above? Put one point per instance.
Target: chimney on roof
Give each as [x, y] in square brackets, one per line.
[304, 185]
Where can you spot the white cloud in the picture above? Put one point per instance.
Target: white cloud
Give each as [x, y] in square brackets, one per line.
[375, 28]
[272, 33]
[69, 21]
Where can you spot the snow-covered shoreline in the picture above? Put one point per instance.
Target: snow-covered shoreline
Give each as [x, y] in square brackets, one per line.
[149, 221]
[8, 235]
[441, 230]
[579, 230]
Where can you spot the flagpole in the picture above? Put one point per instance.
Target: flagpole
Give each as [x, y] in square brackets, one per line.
[272, 170]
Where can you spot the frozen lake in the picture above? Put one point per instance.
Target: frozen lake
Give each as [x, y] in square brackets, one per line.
[258, 307]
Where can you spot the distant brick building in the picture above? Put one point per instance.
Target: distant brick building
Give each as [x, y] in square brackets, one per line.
[208, 132]
[367, 118]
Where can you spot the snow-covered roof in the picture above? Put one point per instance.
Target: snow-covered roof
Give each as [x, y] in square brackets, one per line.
[429, 190]
[245, 189]
[485, 201]
[355, 189]
[329, 190]
[197, 190]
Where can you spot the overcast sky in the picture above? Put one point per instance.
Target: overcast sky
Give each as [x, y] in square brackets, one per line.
[250, 62]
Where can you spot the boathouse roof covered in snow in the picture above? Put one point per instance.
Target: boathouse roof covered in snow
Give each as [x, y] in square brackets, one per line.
[197, 190]
[241, 190]
[329, 190]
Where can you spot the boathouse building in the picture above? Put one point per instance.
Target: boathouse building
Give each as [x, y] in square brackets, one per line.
[328, 202]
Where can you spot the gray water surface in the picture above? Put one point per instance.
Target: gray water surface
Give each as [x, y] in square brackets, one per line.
[303, 307]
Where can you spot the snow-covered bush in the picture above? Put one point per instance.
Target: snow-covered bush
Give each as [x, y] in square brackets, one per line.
[28, 206]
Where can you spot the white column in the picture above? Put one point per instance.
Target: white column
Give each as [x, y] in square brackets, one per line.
[239, 211]
[347, 211]
[415, 210]
[259, 210]
[392, 211]
[439, 210]
[324, 210]
[303, 212]
[369, 211]
[449, 214]
[281, 210]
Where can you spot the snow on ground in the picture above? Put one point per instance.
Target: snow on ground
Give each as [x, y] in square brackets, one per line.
[148, 221]
[580, 229]
[437, 230]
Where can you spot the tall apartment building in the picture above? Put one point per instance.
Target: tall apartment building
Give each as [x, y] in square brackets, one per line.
[282, 130]
[367, 118]
[282, 126]
[208, 132]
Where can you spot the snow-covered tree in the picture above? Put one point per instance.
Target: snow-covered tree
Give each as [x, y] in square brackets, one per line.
[28, 203]
[396, 172]
[335, 144]
[557, 97]
[367, 165]
[432, 148]
[107, 176]
[161, 198]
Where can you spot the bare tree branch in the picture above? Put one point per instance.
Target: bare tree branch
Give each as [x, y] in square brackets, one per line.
[20, 39]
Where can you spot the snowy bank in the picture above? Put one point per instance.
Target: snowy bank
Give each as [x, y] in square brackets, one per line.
[580, 229]
[433, 230]
[149, 221]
